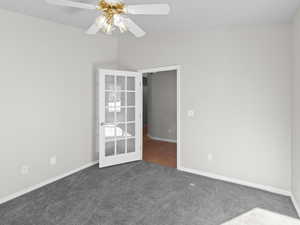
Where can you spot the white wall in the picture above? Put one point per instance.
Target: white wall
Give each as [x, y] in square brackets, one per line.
[46, 97]
[296, 112]
[238, 81]
[162, 105]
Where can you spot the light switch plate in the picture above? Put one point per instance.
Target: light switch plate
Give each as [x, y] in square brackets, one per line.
[52, 160]
[191, 113]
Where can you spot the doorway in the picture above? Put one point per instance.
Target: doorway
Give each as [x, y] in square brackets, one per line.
[160, 125]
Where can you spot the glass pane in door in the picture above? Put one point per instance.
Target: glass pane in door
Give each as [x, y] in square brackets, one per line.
[130, 98]
[119, 99]
[109, 115]
[109, 148]
[109, 82]
[130, 129]
[130, 114]
[109, 132]
[110, 99]
[121, 147]
[130, 83]
[121, 115]
[131, 145]
[120, 131]
[120, 83]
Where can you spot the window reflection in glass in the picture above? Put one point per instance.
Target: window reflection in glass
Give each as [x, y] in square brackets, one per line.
[118, 131]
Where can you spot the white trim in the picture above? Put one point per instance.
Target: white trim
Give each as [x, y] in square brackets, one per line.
[168, 68]
[297, 207]
[159, 69]
[162, 139]
[237, 181]
[48, 181]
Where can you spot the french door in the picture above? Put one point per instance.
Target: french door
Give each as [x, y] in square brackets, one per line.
[119, 117]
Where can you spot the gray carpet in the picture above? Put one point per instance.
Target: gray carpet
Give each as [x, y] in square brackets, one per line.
[138, 193]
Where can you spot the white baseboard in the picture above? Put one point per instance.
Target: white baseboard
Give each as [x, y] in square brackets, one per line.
[162, 139]
[238, 181]
[297, 206]
[48, 181]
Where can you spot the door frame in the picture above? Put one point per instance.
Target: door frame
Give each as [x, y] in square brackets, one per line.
[177, 68]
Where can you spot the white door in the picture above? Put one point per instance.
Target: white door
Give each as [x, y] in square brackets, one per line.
[120, 101]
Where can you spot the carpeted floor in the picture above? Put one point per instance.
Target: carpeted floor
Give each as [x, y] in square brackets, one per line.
[259, 216]
[138, 193]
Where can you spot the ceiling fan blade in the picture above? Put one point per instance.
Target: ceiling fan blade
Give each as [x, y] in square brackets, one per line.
[149, 9]
[71, 4]
[93, 29]
[134, 28]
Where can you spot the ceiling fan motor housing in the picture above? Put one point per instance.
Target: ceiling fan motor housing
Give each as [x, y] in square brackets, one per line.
[111, 9]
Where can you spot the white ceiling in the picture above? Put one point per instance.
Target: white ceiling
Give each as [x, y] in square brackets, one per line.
[185, 14]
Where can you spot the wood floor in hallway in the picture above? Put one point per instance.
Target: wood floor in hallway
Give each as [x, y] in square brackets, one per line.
[159, 152]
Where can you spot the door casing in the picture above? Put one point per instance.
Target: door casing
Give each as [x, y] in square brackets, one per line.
[177, 68]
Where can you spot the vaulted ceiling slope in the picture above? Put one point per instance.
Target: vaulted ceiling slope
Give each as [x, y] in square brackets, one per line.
[185, 15]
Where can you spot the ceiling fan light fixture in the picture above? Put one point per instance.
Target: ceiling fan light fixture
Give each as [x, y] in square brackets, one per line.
[119, 22]
[108, 29]
[103, 24]
[100, 21]
[123, 29]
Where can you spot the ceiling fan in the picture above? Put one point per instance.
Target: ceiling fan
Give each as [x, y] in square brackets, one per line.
[114, 14]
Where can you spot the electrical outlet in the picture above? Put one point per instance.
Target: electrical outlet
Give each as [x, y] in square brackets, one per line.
[24, 170]
[210, 157]
[52, 160]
